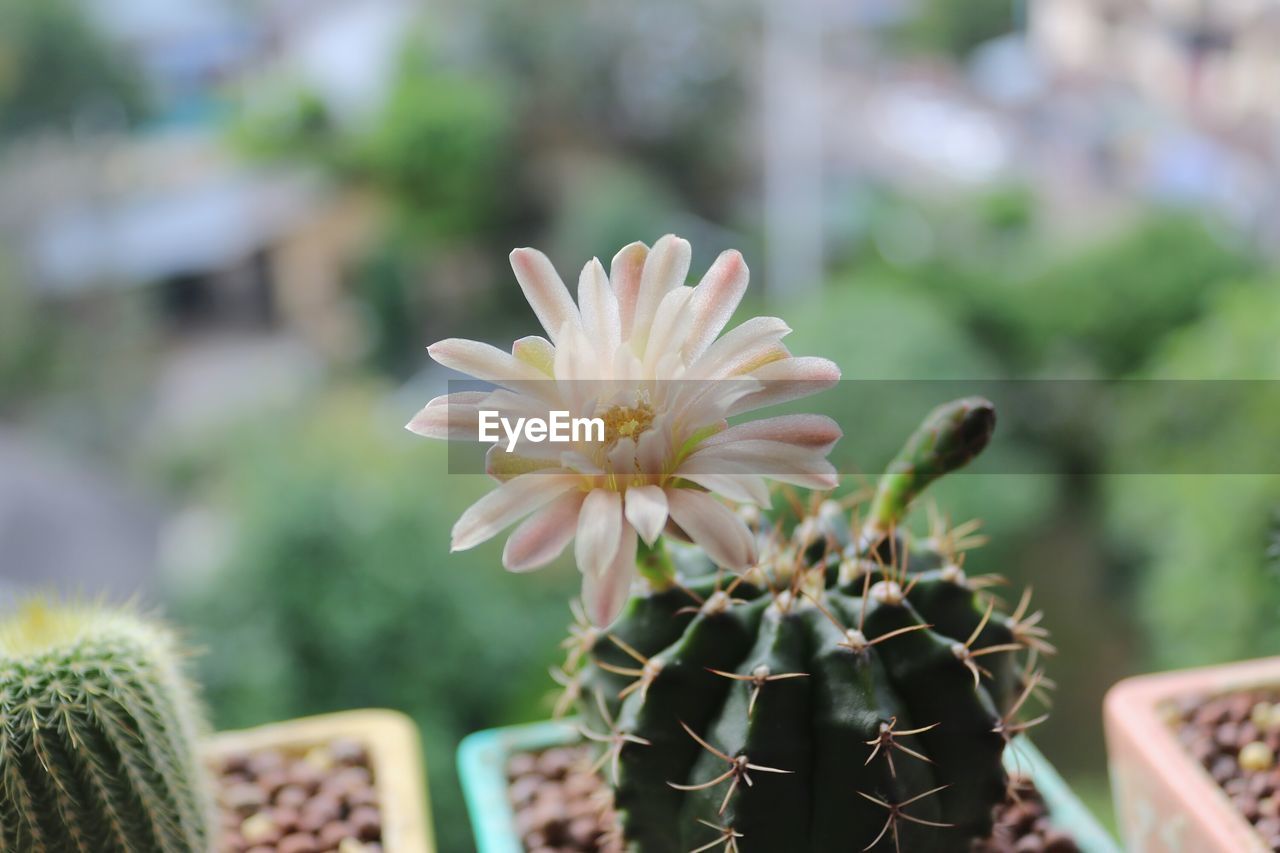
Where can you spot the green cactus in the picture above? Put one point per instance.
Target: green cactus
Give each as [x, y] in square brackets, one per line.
[98, 746]
[853, 691]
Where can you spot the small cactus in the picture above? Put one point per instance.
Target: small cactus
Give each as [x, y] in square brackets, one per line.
[855, 690]
[98, 745]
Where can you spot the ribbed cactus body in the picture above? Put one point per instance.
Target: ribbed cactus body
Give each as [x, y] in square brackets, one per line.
[98, 746]
[852, 691]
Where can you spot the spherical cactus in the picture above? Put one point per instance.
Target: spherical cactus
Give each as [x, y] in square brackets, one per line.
[98, 745]
[853, 691]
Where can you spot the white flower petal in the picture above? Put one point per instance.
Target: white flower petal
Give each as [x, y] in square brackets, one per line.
[821, 476]
[543, 536]
[788, 379]
[713, 526]
[453, 416]
[544, 290]
[599, 308]
[741, 486]
[484, 361]
[575, 460]
[624, 277]
[815, 432]
[709, 402]
[744, 349]
[670, 330]
[653, 450]
[714, 300]
[622, 458]
[507, 504]
[605, 594]
[665, 269]
[503, 465]
[599, 526]
[787, 463]
[646, 510]
[536, 351]
[513, 404]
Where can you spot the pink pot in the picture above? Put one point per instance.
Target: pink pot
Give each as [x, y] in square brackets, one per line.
[1165, 801]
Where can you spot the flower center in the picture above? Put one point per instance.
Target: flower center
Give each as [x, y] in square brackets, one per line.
[626, 422]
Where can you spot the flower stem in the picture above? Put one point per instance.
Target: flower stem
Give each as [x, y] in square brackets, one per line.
[655, 565]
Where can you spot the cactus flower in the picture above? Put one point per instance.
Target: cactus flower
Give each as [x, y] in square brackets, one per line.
[642, 354]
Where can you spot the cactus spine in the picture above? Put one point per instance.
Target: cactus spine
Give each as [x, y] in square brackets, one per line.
[98, 745]
[853, 691]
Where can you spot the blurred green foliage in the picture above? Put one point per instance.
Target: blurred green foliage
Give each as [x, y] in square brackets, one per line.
[439, 146]
[606, 205]
[58, 73]
[80, 373]
[877, 328]
[441, 149]
[337, 589]
[619, 77]
[1092, 310]
[440, 153]
[24, 353]
[1210, 593]
[948, 28]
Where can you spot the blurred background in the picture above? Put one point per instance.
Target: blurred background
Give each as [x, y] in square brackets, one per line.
[228, 229]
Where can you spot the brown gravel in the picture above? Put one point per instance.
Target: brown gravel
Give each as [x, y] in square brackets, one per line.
[318, 801]
[1237, 737]
[1022, 826]
[561, 807]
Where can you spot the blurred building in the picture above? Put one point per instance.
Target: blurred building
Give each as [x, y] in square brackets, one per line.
[1182, 91]
[168, 207]
[215, 242]
[1214, 62]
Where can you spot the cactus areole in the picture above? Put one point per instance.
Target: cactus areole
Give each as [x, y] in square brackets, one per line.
[98, 745]
[855, 690]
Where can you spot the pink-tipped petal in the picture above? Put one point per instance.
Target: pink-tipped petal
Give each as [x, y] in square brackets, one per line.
[814, 432]
[543, 536]
[450, 416]
[599, 308]
[743, 349]
[714, 300]
[507, 504]
[624, 276]
[544, 290]
[606, 593]
[713, 526]
[599, 526]
[786, 380]
[665, 269]
[537, 352]
[646, 509]
[776, 460]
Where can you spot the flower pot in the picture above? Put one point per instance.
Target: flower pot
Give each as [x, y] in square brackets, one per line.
[1165, 799]
[394, 759]
[483, 757]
